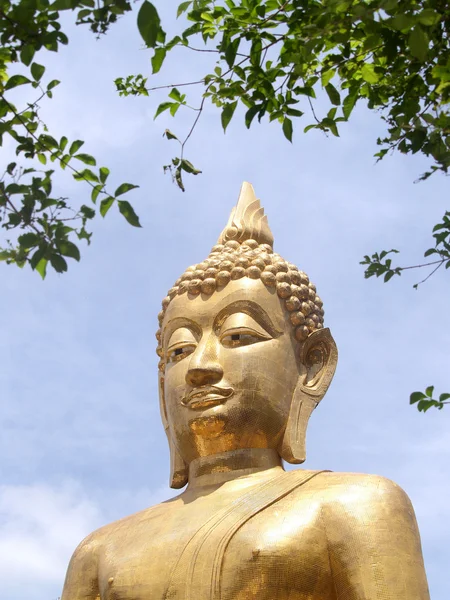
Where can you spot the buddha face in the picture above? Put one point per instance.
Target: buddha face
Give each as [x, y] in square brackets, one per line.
[231, 369]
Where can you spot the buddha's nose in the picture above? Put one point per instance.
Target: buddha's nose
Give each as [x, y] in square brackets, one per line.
[204, 366]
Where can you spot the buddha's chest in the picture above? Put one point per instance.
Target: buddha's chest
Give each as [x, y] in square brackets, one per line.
[278, 553]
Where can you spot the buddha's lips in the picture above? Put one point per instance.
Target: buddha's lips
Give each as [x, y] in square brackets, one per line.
[206, 396]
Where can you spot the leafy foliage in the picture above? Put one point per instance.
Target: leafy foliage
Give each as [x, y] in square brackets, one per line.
[274, 57]
[426, 401]
[441, 249]
[45, 228]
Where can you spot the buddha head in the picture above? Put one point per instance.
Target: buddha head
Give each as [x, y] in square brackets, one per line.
[244, 356]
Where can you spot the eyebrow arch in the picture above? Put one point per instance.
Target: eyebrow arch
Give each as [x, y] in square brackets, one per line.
[252, 309]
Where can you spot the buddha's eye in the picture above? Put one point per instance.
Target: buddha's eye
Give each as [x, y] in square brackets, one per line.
[180, 344]
[177, 353]
[236, 338]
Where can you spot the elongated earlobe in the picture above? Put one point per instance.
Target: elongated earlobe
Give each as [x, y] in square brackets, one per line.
[319, 359]
[293, 446]
[178, 468]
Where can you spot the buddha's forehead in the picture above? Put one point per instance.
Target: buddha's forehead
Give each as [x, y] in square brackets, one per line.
[203, 308]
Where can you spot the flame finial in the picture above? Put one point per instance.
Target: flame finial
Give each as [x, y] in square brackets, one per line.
[247, 220]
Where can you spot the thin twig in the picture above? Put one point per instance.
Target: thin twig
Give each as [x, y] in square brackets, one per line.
[205, 50]
[176, 85]
[311, 104]
[200, 110]
[432, 272]
[435, 262]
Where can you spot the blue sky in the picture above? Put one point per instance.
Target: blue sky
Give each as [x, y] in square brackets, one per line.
[82, 443]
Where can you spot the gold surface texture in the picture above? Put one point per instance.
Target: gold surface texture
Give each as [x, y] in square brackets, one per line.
[244, 360]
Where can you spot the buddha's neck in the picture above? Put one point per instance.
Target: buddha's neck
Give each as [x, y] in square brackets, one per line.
[219, 468]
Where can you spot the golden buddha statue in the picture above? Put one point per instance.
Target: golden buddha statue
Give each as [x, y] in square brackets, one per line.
[244, 360]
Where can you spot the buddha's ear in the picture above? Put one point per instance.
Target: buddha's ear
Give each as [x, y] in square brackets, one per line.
[178, 468]
[318, 357]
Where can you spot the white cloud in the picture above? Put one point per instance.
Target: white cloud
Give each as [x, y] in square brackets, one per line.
[40, 526]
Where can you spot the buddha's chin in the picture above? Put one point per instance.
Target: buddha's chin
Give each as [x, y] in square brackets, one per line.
[208, 426]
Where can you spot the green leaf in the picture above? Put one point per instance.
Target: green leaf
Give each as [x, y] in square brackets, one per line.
[53, 84]
[84, 235]
[15, 81]
[418, 43]
[176, 95]
[368, 73]
[429, 17]
[128, 212]
[96, 191]
[288, 129]
[48, 141]
[158, 59]
[402, 21]
[349, 104]
[443, 397]
[124, 188]
[255, 52]
[331, 125]
[333, 94]
[87, 211]
[26, 54]
[162, 107]
[183, 8]
[63, 143]
[250, 115]
[16, 188]
[86, 159]
[86, 175]
[69, 249]
[327, 76]
[429, 391]
[41, 267]
[38, 255]
[170, 136]
[179, 179]
[105, 205]
[424, 405]
[75, 147]
[187, 166]
[293, 112]
[62, 5]
[37, 71]
[227, 114]
[416, 396]
[29, 240]
[104, 172]
[231, 51]
[149, 24]
[58, 263]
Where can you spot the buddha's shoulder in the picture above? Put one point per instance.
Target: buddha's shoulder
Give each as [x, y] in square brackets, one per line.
[335, 491]
[94, 542]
